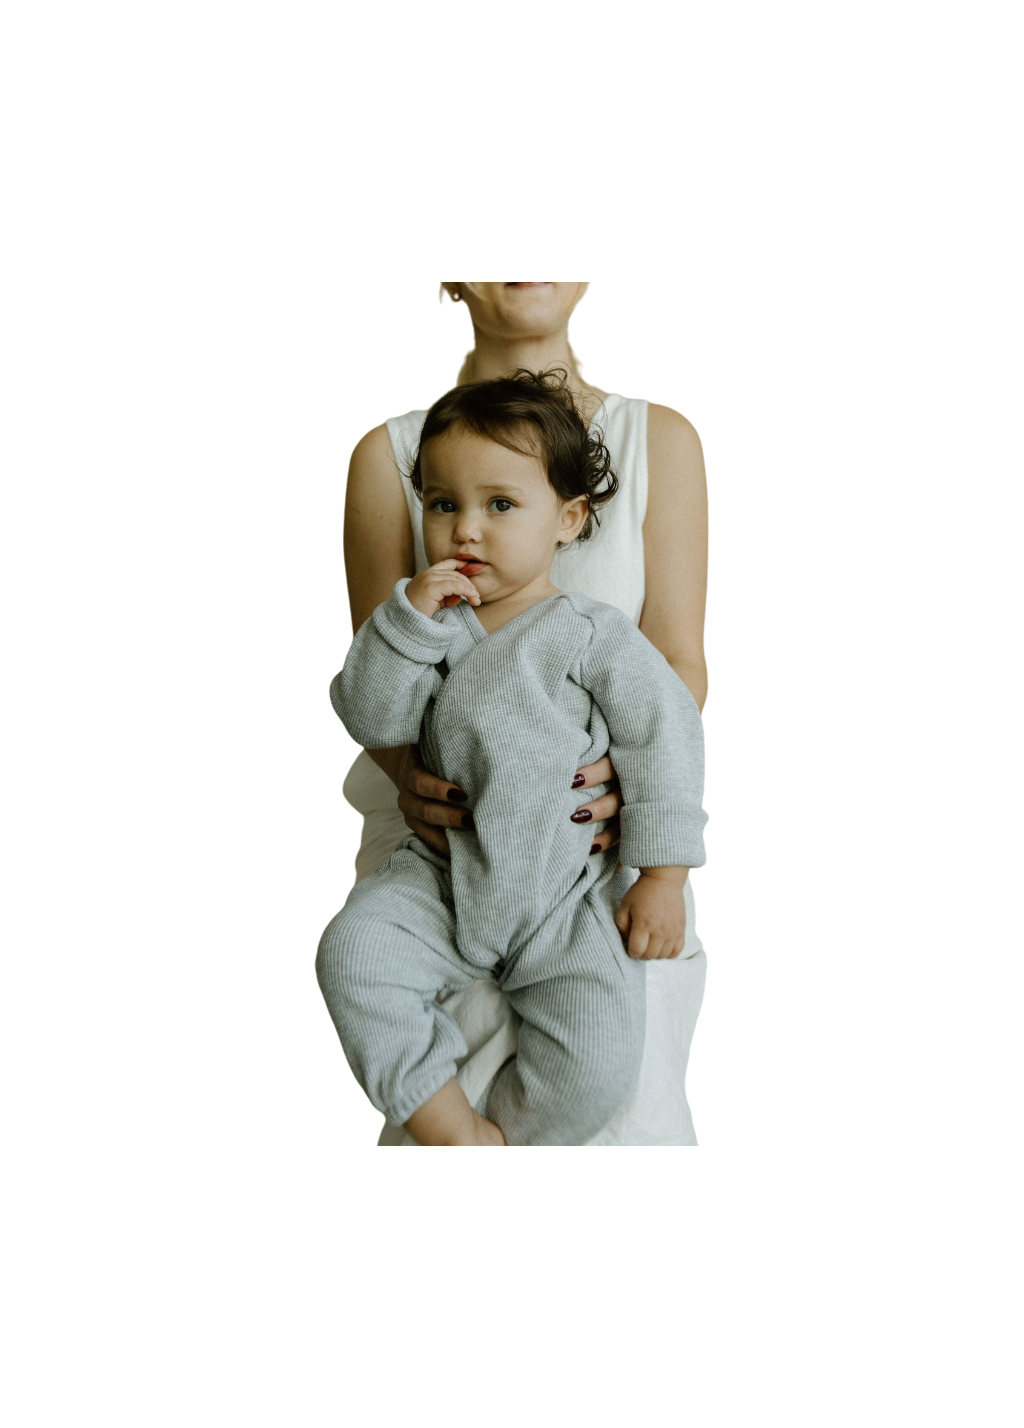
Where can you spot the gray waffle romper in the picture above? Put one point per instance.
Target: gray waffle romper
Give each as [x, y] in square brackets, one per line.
[509, 717]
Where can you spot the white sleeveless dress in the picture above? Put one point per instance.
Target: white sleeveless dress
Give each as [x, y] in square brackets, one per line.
[609, 567]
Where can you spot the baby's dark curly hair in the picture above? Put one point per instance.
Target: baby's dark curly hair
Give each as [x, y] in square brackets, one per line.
[524, 405]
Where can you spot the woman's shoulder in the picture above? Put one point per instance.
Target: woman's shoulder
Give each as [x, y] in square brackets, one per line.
[676, 481]
[372, 444]
[661, 420]
[394, 441]
[670, 431]
[413, 418]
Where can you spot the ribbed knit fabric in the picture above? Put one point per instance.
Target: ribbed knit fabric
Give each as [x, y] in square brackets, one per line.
[509, 717]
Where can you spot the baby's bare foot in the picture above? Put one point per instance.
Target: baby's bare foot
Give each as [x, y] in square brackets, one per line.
[487, 1133]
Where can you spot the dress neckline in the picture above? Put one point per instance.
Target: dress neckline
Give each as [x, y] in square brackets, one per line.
[612, 396]
[601, 408]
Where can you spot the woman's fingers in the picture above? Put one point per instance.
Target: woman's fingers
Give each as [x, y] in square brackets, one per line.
[421, 781]
[430, 835]
[424, 802]
[604, 807]
[608, 835]
[601, 809]
[432, 811]
[601, 772]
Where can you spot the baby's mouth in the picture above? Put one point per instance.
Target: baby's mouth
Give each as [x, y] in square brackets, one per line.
[472, 567]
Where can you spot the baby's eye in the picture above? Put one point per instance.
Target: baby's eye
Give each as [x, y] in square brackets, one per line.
[503, 501]
[441, 502]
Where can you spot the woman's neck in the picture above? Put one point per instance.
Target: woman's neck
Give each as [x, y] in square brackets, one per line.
[497, 357]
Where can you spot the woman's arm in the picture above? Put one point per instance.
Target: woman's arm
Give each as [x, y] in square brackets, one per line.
[675, 571]
[378, 540]
[676, 547]
[377, 543]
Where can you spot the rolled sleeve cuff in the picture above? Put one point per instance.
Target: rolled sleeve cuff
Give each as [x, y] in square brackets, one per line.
[661, 835]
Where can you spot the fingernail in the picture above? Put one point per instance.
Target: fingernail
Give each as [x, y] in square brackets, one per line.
[580, 778]
[595, 848]
[457, 796]
[467, 821]
[582, 815]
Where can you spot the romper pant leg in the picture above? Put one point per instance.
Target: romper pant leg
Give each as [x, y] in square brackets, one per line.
[582, 1001]
[380, 964]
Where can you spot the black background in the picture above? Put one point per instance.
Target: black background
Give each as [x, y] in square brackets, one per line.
[399, 350]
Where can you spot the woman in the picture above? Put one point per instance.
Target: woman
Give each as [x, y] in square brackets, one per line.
[649, 557]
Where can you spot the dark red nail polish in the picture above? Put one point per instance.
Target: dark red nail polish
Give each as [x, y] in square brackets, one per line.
[467, 821]
[582, 815]
[457, 796]
[595, 848]
[580, 778]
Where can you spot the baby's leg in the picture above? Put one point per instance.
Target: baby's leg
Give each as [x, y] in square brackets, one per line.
[448, 1119]
[582, 1001]
[380, 963]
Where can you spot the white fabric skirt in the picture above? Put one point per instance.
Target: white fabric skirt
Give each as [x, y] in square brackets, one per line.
[657, 1112]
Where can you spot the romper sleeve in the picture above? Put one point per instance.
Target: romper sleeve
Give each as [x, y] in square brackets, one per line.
[389, 674]
[656, 744]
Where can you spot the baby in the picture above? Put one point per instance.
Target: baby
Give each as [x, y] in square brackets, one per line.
[509, 686]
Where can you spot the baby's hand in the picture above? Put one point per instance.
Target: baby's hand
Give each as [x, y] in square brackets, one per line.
[441, 584]
[652, 917]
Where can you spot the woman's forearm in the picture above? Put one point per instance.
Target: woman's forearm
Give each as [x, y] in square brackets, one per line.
[390, 760]
[695, 677]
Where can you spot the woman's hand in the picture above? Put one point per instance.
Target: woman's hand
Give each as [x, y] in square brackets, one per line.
[607, 806]
[428, 808]
[424, 800]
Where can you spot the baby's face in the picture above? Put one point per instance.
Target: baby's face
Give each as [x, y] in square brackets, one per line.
[484, 501]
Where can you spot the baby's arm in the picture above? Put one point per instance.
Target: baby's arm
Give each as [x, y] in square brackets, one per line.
[388, 677]
[656, 746]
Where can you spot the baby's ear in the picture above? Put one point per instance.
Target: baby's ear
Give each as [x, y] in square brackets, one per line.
[574, 513]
